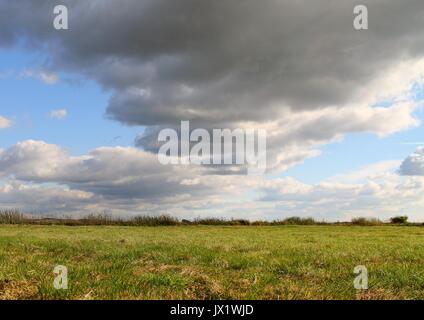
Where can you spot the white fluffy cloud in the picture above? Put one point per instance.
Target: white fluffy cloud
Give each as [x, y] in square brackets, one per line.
[47, 77]
[299, 135]
[117, 180]
[43, 178]
[381, 196]
[43, 199]
[115, 173]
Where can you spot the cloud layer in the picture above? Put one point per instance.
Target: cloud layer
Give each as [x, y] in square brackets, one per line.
[115, 173]
[41, 177]
[227, 64]
[222, 62]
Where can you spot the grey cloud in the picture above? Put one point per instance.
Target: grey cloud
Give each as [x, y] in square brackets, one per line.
[112, 173]
[35, 198]
[298, 135]
[41, 177]
[413, 165]
[220, 62]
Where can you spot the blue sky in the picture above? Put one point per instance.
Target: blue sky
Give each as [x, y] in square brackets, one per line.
[356, 151]
[29, 100]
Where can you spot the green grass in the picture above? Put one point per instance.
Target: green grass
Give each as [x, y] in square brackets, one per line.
[211, 262]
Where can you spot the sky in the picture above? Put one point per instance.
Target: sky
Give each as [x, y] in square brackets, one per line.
[81, 109]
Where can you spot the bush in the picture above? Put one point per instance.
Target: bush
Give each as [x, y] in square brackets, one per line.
[239, 222]
[296, 221]
[361, 221]
[210, 221]
[96, 219]
[399, 220]
[163, 220]
[261, 223]
[12, 217]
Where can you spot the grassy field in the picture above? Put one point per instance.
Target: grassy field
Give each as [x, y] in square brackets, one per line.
[211, 262]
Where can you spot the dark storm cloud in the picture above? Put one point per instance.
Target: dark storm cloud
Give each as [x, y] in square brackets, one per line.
[220, 62]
